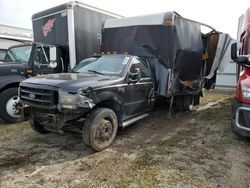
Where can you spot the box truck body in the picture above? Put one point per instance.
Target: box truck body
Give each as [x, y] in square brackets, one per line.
[74, 26]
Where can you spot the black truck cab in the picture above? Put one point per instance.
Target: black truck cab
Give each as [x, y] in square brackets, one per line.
[21, 62]
[36, 58]
[115, 90]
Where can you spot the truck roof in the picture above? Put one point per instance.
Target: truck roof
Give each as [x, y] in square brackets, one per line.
[164, 18]
[113, 54]
[152, 19]
[68, 5]
[30, 44]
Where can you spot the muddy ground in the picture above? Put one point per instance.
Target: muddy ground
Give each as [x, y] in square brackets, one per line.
[191, 149]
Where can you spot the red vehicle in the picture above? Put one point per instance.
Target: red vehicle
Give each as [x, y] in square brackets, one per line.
[240, 121]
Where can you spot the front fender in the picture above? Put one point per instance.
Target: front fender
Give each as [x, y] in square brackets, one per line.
[94, 98]
[98, 96]
[109, 95]
[9, 80]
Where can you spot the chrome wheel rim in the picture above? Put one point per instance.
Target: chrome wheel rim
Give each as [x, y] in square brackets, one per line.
[11, 107]
[104, 131]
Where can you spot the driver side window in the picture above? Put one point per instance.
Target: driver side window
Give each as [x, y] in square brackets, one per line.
[2, 54]
[42, 56]
[45, 55]
[141, 64]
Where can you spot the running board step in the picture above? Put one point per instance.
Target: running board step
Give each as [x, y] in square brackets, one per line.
[133, 120]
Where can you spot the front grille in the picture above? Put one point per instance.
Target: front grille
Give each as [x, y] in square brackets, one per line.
[244, 118]
[38, 97]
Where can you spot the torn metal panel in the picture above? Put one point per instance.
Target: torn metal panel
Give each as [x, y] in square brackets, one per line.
[223, 54]
[210, 43]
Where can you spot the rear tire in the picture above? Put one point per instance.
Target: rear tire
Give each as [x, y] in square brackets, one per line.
[8, 103]
[179, 102]
[184, 102]
[197, 99]
[188, 101]
[100, 128]
[37, 127]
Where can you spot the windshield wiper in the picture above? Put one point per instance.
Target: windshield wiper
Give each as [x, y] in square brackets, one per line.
[94, 71]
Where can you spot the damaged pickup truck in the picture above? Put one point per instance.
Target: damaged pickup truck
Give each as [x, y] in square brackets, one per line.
[168, 56]
[108, 91]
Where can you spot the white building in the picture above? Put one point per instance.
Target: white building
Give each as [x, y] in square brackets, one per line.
[227, 79]
[10, 36]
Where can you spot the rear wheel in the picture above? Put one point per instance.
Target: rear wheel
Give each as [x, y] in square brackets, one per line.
[179, 102]
[188, 101]
[197, 99]
[184, 102]
[100, 128]
[36, 126]
[8, 106]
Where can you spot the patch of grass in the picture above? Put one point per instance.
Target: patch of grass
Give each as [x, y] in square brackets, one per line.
[16, 161]
[10, 128]
[215, 95]
[180, 159]
[141, 173]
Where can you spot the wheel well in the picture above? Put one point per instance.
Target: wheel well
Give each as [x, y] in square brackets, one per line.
[11, 85]
[115, 106]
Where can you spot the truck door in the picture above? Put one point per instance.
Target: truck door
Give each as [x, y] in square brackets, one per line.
[140, 95]
[46, 60]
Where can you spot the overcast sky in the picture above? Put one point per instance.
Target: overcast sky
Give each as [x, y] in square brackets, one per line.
[220, 14]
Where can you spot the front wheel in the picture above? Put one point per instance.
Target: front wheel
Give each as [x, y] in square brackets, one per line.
[8, 106]
[36, 126]
[100, 128]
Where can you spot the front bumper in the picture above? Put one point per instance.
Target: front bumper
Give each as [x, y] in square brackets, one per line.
[240, 121]
[24, 111]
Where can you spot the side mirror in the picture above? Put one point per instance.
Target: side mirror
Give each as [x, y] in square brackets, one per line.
[136, 76]
[52, 52]
[234, 51]
[53, 64]
[241, 59]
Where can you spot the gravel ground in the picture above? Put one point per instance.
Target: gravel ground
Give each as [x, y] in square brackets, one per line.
[189, 149]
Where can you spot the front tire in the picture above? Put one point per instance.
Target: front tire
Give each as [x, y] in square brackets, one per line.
[8, 106]
[37, 127]
[100, 128]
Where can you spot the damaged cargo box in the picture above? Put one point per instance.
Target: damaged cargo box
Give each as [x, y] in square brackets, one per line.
[181, 55]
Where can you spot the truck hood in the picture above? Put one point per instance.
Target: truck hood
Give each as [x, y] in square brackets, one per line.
[73, 81]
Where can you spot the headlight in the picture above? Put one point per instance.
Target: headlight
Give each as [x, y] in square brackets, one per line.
[72, 101]
[245, 92]
[84, 100]
[67, 100]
